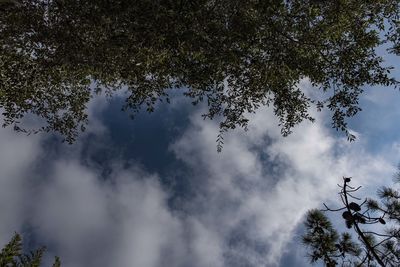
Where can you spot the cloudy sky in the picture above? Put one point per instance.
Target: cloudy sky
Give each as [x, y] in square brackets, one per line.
[154, 191]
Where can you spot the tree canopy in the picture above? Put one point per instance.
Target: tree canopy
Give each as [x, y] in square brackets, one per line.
[236, 55]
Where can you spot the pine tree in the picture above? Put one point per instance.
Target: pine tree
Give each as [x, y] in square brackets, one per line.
[375, 224]
[11, 255]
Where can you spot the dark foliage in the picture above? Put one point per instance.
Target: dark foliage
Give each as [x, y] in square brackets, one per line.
[11, 255]
[237, 55]
[373, 247]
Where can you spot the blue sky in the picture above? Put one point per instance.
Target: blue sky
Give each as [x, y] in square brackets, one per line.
[154, 191]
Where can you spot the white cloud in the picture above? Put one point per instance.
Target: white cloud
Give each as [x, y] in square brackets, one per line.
[87, 221]
[242, 188]
[17, 152]
[123, 221]
[206, 248]
[248, 199]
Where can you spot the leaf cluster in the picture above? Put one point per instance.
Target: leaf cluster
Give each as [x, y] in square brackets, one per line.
[235, 55]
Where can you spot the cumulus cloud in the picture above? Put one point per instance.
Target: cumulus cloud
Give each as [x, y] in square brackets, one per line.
[247, 201]
[17, 152]
[262, 184]
[123, 221]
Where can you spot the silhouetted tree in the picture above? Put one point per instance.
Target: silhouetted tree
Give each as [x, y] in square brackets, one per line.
[237, 55]
[11, 255]
[375, 224]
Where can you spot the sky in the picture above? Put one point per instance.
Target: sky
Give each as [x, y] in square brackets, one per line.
[153, 191]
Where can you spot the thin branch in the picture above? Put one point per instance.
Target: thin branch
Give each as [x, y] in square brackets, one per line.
[378, 234]
[353, 189]
[329, 209]
[350, 195]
